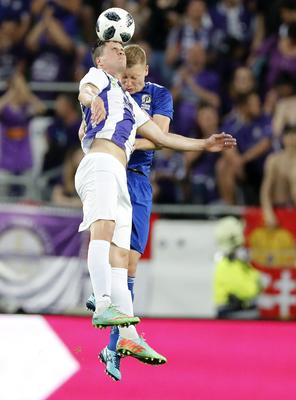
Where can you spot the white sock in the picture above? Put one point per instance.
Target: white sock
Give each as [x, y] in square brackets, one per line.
[128, 333]
[100, 272]
[121, 297]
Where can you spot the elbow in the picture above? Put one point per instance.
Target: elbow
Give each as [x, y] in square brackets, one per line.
[159, 146]
[160, 143]
[157, 137]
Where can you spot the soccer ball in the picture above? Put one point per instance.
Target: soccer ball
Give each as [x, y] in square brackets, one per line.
[115, 24]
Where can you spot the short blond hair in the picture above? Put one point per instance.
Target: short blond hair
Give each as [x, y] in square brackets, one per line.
[135, 54]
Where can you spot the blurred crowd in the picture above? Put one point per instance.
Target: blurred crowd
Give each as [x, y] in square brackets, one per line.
[230, 65]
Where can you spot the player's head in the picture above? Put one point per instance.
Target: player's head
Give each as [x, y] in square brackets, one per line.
[110, 57]
[133, 79]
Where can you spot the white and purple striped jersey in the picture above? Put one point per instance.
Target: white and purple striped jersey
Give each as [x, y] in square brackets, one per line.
[123, 115]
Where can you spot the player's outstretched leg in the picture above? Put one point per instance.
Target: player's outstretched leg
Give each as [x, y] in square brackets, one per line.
[112, 361]
[140, 349]
[112, 316]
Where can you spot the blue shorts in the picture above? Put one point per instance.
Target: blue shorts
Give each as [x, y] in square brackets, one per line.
[140, 191]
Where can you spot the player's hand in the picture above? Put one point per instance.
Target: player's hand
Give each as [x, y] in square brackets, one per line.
[219, 142]
[98, 112]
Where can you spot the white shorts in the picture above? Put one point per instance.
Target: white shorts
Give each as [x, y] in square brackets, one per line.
[101, 183]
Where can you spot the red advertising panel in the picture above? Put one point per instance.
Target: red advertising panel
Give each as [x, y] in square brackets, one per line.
[273, 252]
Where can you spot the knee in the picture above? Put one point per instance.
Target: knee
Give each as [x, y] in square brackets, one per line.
[119, 257]
[132, 268]
[134, 257]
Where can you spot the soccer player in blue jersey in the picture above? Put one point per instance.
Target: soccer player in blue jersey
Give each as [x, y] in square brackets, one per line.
[111, 119]
[157, 101]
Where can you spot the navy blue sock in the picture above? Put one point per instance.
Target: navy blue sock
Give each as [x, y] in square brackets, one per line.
[114, 334]
[113, 338]
[130, 284]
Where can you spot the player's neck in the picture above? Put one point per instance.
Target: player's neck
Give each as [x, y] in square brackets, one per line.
[113, 73]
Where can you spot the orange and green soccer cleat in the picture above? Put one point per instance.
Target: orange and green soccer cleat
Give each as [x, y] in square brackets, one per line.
[113, 317]
[139, 349]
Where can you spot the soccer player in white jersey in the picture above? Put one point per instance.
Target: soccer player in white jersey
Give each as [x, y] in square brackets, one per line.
[111, 119]
[157, 101]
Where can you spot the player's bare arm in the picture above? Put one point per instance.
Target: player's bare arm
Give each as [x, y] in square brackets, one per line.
[216, 142]
[88, 96]
[144, 144]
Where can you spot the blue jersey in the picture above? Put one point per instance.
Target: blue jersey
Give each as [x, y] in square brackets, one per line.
[154, 99]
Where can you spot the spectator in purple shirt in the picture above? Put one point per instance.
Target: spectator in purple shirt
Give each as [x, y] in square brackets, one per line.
[11, 46]
[63, 192]
[17, 106]
[233, 28]
[196, 28]
[253, 132]
[167, 176]
[193, 84]
[201, 165]
[278, 55]
[164, 15]
[232, 20]
[67, 12]
[243, 81]
[62, 134]
[16, 10]
[51, 51]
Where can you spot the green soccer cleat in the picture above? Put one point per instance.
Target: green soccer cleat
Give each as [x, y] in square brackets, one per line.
[112, 361]
[113, 317]
[139, 349]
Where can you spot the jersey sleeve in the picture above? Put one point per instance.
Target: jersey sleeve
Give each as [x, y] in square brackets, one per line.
[141, 117]
[96, 77]
[162, 102]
